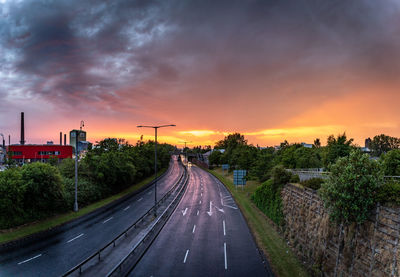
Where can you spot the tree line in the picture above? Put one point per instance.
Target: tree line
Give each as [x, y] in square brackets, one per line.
[355, 183]
[39, 190]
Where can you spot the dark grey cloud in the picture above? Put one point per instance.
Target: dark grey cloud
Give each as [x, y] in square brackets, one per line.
[87, 52]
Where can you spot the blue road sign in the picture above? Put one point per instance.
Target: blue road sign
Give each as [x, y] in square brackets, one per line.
[225, 166]
[239, 177]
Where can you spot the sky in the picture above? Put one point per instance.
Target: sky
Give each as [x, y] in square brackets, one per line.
[271, 70]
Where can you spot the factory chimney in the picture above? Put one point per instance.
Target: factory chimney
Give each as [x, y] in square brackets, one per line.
[65, 139]
[22, 142]
[60, 138]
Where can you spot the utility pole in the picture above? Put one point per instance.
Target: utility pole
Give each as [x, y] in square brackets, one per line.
[155, 161]
[77, 133]
[186, 149]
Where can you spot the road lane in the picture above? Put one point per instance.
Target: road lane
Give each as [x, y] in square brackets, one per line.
[210, 238]
[59, 253]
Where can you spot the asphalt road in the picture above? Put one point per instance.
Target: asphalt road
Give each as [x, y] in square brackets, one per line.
[206, 236]
[57, 254]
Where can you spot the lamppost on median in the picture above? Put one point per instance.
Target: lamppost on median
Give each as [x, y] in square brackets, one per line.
[155, 160]
[186, 149]
[77, 133]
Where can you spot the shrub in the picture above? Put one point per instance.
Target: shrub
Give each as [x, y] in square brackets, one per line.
[268, 199]
[313, 183]
[350, 191]
[294, 179]
[389, 192]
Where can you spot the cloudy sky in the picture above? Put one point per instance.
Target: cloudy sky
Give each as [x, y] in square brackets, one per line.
[271, 69]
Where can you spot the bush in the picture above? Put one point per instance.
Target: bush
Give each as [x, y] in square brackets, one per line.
[313, 183]
[350, 191]
[389, 192]
[268, 199]
[294, 179]
[42, 189]
[11, 201]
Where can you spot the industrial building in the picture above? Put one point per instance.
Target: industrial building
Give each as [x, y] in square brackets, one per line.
[26, 153]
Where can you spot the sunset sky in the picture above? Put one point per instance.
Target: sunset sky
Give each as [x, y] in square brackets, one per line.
[271, 70]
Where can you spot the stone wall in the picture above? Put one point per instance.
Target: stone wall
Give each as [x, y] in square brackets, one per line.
[333, 250]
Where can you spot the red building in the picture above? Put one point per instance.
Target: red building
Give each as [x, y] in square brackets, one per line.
[35, 153]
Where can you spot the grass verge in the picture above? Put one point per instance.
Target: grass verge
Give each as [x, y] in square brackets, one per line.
[32, 228]
[282, 260]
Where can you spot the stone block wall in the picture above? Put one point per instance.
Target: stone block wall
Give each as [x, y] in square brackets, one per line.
[330, 249]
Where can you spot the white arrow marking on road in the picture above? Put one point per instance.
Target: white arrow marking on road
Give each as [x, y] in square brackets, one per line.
[210, 212]
[37, 256]
[77, 237]
[184, 212]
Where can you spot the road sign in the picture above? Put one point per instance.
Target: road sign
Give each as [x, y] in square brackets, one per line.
[239, 177]
[225, 166]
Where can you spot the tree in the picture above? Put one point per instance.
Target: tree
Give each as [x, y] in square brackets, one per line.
[382, 143]
[231, 141]
[336, 148]
[317, 143]
[215, 158]
[42, 189]
[391, 163]
[349, 192]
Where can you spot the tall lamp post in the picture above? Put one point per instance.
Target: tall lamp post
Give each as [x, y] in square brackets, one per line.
[155, 160]
[186, 149]
[77, 133]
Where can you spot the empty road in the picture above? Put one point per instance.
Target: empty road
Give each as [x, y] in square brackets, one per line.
[206, 236]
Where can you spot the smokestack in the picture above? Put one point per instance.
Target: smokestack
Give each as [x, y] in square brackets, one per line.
[22, 142]
[65, 139]
[9, 140]
[60, 138]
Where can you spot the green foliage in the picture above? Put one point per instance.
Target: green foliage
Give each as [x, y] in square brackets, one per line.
[382, 143]
[336, 148]
[313, 183]
[263, 164]
[391, 163]
[268, 199]
[231, 141]
[389, 192]
[11, 202]
[215, 158]
[294, 179]
[38, 190]
[350, 191]
[42, 189]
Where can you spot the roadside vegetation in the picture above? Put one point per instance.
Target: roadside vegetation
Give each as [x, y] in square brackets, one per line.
[38, 191]
[355, 183]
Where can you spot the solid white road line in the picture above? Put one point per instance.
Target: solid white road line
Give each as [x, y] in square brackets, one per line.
[197, 212]
[223, 223]
[77, 237]
[194, 228]
[107, 220]
[226, 263]
[140, 199]
[37, 256]
[187, 252]
[127, 208]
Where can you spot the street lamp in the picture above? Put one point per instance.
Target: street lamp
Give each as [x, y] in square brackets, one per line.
[155, 160]
[186, 149]
[77, 133]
